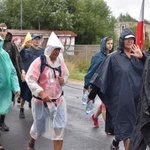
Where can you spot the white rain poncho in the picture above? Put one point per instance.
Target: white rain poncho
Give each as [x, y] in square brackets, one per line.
[50, 121]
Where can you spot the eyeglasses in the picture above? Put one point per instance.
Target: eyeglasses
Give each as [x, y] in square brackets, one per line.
[3, 29]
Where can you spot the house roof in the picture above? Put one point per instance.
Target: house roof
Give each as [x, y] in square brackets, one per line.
[42, 32]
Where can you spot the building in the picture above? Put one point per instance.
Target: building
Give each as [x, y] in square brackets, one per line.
[121, 25]
[66, 37]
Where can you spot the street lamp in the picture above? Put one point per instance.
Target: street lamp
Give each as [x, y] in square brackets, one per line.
[20, 14]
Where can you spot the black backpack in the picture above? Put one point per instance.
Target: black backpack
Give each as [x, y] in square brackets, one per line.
[43, 65]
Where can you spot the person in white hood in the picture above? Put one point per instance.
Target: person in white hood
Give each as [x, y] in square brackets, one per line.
[48, 103]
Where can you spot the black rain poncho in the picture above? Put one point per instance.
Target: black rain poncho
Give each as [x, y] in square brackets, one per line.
[141, 134]
[119, 80]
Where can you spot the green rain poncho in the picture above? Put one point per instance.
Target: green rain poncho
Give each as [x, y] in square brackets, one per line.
[8, 80]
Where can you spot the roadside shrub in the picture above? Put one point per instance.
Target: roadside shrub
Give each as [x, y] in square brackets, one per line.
[78, 65]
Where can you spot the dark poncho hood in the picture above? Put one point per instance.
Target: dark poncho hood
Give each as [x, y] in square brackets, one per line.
[124, 33]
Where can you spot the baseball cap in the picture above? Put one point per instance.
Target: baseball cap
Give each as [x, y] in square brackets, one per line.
[36, 36]
[129, 36]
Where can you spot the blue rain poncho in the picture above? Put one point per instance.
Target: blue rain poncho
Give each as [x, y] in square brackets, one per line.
[96, 60]
[8, 80]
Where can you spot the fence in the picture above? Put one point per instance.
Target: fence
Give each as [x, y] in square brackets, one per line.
[80, 51]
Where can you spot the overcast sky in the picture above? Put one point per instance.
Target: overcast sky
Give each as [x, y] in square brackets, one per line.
[129, 6]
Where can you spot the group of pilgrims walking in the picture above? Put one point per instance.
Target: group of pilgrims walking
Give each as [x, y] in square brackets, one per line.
[119, 78]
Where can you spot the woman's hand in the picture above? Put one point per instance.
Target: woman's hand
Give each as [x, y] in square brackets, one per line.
[88, 100]
[61, 80]
[84, 90]
[136, 51]
[23, 76]
[45, 97]
[17, 94]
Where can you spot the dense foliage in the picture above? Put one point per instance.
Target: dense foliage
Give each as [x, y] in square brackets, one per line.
[90, 20]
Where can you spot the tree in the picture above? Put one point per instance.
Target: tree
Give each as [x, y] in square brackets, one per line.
[46, 14]
[126, 17]
[90, 20]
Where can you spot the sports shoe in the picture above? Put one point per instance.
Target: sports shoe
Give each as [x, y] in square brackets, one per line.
[95, 121]
[21, 114]
[112, 147]
[3, 127]
[30, 106]
[1, 147]
[109, 133]
[18, 100]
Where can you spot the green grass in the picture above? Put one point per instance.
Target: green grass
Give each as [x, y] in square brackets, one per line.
[77, 67]
[77, 75]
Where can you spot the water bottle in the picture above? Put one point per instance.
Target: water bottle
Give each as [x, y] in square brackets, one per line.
[84, 98]
[89, 107]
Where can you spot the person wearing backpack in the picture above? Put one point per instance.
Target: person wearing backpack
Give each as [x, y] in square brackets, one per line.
[45, 78]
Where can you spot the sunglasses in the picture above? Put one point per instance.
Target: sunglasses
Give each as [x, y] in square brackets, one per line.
[3, 29]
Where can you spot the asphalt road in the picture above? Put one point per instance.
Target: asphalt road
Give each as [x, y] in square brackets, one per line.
[79, 133]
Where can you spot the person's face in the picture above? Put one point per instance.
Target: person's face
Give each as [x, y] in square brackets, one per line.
[28, 43]
[55, 53]
[3, 32]
[128, 43]
[36, 42]
[109, 45]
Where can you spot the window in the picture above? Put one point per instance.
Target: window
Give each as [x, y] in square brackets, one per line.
[123, 27]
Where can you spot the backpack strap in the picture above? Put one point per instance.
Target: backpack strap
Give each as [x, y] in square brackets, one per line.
[43, 63]
[59, 70]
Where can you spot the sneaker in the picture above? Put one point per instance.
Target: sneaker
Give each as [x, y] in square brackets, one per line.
[30, 106]
[112, 147]
[21, 114]
[1, 147]
[18, 100]
[95, 121]
[109, 133]
[3, 127]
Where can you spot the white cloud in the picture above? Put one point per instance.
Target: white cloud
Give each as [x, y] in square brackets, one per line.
[132, 7]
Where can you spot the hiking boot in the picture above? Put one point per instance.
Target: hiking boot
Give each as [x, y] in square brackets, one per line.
[21, 114]
[112, 147]
[3, 127]
[95, 121]
[1, 147]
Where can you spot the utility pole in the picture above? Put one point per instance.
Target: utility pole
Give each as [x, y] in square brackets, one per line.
[20, 14]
